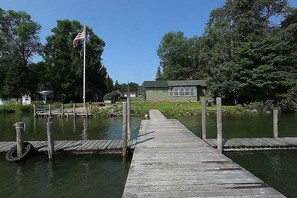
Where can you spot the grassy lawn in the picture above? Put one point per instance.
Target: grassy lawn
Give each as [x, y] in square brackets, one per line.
[138, 107]
[179, 109]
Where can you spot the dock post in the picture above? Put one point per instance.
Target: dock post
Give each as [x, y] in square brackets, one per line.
[50, 139]
[62, 109]
[129, 116]
[19, 128]
[219, 124]
[49, 110]
[275, 123]
[124, 131]
[34, 110]
[87, 112]
[203, 105]
[74, 110]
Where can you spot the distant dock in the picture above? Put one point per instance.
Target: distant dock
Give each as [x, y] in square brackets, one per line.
[62, 112]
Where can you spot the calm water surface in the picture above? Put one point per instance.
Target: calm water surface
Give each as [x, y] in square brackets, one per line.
[69, 175]
[104, 176]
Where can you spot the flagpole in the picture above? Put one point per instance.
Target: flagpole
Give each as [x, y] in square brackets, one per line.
[84, 75]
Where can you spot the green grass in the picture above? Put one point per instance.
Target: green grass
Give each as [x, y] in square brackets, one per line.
[171, 109]
[138, 107]
[15, 108]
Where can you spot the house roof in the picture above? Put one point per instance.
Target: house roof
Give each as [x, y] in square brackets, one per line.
[174, 83]
[154, 84]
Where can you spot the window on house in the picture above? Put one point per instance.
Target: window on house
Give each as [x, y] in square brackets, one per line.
[183, 91]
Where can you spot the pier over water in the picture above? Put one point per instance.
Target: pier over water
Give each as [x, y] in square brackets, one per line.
[170, 161]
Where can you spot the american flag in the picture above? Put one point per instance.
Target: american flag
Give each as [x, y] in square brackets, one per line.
[79, 36]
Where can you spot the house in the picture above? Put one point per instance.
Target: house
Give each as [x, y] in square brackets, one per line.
[178, 90]
[26, 100]
[47, 96]
[132, 94]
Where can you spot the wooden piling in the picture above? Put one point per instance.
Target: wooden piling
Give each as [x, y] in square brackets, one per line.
[49, 110]
[19, 128]
[203, 117]
[74, 110]
[62, 109]
[34, 110]
[50, 138]
[275, 123]
[124, 131]
[87, 112]
[219, 124]
[129, 116]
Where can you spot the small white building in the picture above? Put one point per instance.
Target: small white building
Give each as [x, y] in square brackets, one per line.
[26, 100]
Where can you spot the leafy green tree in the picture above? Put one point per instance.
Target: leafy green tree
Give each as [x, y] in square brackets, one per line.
[64, 63]
[19, 41]
[175, 57]
[228, 27]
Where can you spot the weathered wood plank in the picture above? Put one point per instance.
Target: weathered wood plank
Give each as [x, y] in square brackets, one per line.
[108, 146]
[243, 144]
[170, 161]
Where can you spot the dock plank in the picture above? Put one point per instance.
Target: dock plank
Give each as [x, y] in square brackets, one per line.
[243, 144]
[75, 146]
[170, 161]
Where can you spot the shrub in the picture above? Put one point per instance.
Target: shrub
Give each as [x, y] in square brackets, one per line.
[113, 96]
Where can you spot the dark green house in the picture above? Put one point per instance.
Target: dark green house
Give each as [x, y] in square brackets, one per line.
[178, 90]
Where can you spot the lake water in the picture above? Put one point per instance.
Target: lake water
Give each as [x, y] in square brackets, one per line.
[105, 175]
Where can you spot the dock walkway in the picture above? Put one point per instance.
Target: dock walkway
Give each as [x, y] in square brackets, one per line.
[170, 161]
[76, 146]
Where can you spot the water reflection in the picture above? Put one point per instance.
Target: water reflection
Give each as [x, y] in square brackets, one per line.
[84, 134]
[66, 128]
[19, 176]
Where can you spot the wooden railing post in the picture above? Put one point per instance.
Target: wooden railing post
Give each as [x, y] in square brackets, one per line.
[275, 123]
[129, 116]
[50, 138]
[219, 124]
[203, 117]
[124, 131]
[20, 129]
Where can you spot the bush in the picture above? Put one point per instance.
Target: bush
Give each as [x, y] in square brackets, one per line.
[262, 106]
[113, 96]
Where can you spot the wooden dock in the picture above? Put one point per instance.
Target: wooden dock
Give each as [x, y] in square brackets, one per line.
[255, 144]
[62, 112]
[77, 146]
[170, 161]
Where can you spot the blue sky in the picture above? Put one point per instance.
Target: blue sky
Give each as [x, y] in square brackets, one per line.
[132, 29]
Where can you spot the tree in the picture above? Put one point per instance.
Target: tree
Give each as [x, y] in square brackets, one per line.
[19, 40]
[230, 26]
[109, 84]
[159, 74]
[65, 64]
[174, 54]
[267, 70]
